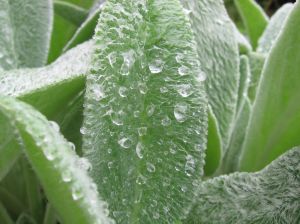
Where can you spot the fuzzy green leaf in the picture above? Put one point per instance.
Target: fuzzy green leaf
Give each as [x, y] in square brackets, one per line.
[85, 31]
[70, 12]
[61, 172]
[4, 216]
[219, 58]
[145, 111]
[273, 29]
[254, 19]
[25, 28]
[275, 122]
[269, 196]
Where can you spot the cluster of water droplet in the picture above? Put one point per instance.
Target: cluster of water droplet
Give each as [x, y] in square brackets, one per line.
[145, 112]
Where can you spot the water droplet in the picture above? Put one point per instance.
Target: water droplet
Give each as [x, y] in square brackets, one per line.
[129, 60]
[189, 165]
[187, 11]
[150, 110]
[201, 76]
[125, 142]
[156, 66]
[142, 131]
[72, 146]
[123, 91]
[156, 215]
[142, 88]
[110, 165]
[112, 58]
[83, 130]
[109, 151]
[219, 22]
[117, 117]
[139, 150]
[166, 209]
[180, 111]
[179, 58]
[163, 89]
[150, 167]
[166, 121]
[136, 113]
[97, 92]
[49, 154]
[183, 188]
[183, 70]
[140, 179]
[185, 90]
[54, 125]
[76, 193]
[66, 175]
[84, 164]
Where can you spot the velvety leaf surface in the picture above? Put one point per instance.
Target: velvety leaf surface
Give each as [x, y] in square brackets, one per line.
[61, 172]
[219, 58]
[271, 196]
[256, 63]
[244, 80]
[70, 12]
[145, 111]
[254, 19]
[25, 28]
[273, 29]
[86, 30]
[275, 121]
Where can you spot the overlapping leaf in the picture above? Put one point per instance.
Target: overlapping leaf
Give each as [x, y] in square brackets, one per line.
[269, 196]
[218, 52]
[145, 111]
[61, 172]
[275, 120]
[25, 28]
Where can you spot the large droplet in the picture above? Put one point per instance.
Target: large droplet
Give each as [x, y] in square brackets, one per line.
[185, 90]
[125, 142]
[142, 131]
[54, 125]
[201, 76]
[166, 121]
[189, 165]
[123, 91]
[97, 92]
[139, 150]
[117, 117]
[66, 175]
[141, 179]
[180, 111]
[142, 88]
[129, 60]
[156, 66]
[183, 70]
[150, 167]
[76, 193]
[150, 110]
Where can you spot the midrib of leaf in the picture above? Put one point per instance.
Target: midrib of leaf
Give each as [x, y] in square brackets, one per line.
[161, 31]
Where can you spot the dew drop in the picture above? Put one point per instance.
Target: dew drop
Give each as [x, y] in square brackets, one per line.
[72, 146]
[123, 91]
[49, 154]
[156, 215]
[150, 110]
[142, 88]
[180, 111]
[166, 121]
[117, 117]
[54, 125]
[139, 150]
[189, 165]
[201, 76]
[163, 89]
[97, 92]
[140, 179]
[112, 58]
[125, 142]
[66, 175]
[129, 60]
[185, 90]
[84, 164]
[142, 131]
[136, 113]
[110, 165]
[183, 70]
[76, 193]
[156, 66]
[150, 167]
[179, 58]
[183, 188]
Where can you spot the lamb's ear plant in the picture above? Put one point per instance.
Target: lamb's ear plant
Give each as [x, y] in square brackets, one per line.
[148, 112]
